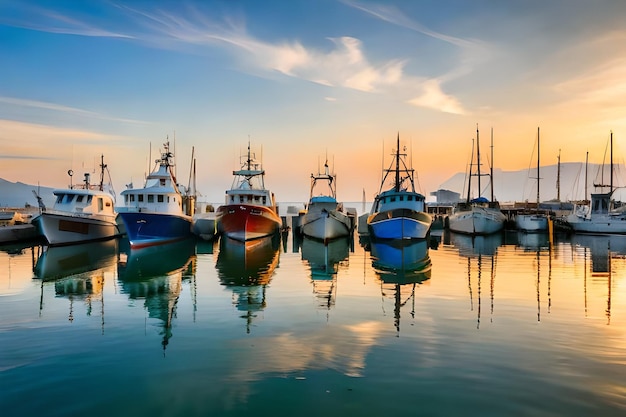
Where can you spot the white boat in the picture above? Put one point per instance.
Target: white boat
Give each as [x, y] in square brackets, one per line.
[82, 213]
[325, 218]
[477, 216]
[399, 212]
[601, 216]
[158, 212]
[531, 219]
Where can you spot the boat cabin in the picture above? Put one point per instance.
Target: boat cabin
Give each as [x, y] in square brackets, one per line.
[83, 201]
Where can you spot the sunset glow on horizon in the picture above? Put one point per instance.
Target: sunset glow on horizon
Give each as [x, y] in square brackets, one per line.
[304, 80]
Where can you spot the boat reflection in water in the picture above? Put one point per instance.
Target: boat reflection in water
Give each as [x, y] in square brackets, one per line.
[601, 250]
[401, 265]
[468, 245]
[533, 241]
[246, 268]
[324, 261]
[155, 274]
[78, 272]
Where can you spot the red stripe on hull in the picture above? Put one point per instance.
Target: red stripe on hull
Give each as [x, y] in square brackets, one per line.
[245, 222]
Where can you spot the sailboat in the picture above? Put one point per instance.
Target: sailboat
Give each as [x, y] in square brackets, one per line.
[325, 218]
[602, 217]
[400, 212]
[532, 219]
[477, 216]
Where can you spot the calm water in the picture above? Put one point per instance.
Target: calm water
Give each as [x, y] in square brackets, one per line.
[501, 326]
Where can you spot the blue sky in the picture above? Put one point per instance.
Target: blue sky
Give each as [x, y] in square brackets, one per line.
[302, 79]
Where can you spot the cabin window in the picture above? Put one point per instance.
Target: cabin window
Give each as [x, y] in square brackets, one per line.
[409, 198]
[249, 198]
[150, 198]
[100, 204]
[162, 182]
[264, 200]
[59, 198]
[241, 199]
[89, 199]
[168, 199]
[108, 204]
[69, 198]
[132, 198]
[392, 199]
[79, 198]
[160, 198]
[126, 198]
[140, 198]
[232, 198]
[256, 198]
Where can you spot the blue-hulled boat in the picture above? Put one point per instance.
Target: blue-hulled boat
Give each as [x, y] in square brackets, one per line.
[399, 212]
[155, 214]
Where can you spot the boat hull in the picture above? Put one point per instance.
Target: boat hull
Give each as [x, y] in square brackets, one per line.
[531, 222]
[598, 224]
[151, 229]
[247, 222]
[478, 221]
[17, 233]
[60, 229]
[399, 224]
[325, 225]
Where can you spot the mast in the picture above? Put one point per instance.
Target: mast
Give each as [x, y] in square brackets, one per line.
[611, 183]
[397, 187]
[469, 177]
[586, 173]
[558, 177]
[491, 167]
[538, 148]
[478, 159]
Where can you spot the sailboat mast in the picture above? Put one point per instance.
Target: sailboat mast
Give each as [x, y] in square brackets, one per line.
[491, 167]
[586, 173]
[538, 148]
[611, 183]
[478, 159]
[558, 177]
[398, 164]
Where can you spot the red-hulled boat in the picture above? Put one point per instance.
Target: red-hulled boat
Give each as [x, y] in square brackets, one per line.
[250, 210]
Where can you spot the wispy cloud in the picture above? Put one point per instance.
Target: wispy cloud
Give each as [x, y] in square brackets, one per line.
[64, 109]
[29, 16]
[346, 64]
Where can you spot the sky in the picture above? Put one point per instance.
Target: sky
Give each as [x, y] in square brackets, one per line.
[303, 81]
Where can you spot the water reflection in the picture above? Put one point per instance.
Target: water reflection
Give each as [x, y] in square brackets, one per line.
[324, 261]
[401, 266]
[476, 245]
[533, 241]
[601, 250]
[155, 274]
[78, 273]
[247, 268]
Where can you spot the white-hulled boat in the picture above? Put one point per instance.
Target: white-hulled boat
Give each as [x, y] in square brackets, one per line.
[155, 214]
[477, 216]
[325, 218]
[601, 216]
[250, 211]
[82, 213]
[532, 219]
[399, 212]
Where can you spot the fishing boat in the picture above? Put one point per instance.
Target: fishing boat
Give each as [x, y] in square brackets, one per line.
[477, 216]
[83, 213]
[399, 212]
[16, 226]
[157, 213]
[250, 211]
[325, 218]
[532, 219]
[601, 216]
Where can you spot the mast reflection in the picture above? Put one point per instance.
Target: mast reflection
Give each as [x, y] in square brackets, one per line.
[601, 250]
[78, 272]
[483, 251]
[247, 268]
[401, 265]
[324, 261]
[155, 274]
